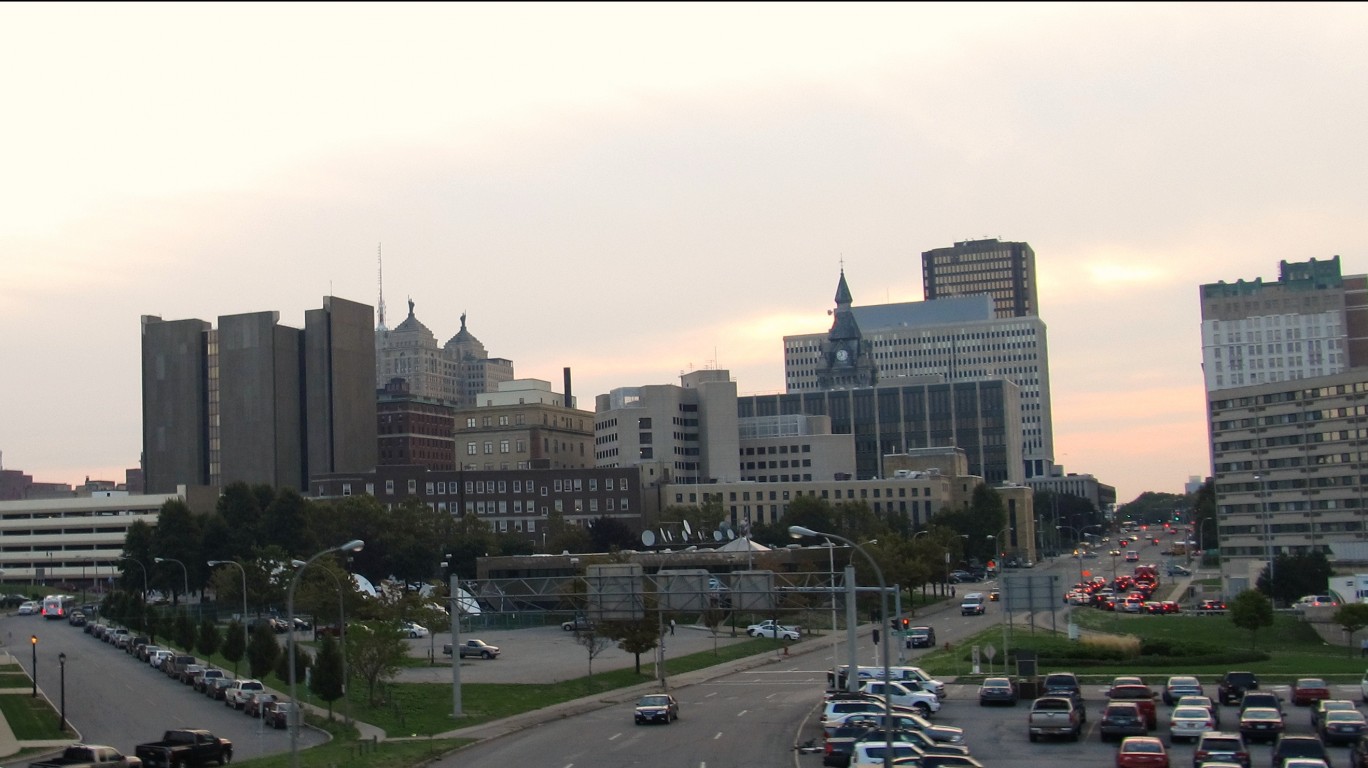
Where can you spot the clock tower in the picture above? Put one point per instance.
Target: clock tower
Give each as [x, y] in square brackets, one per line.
[847, 360]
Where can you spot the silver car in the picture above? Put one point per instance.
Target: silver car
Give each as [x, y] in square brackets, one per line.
[1189, 723]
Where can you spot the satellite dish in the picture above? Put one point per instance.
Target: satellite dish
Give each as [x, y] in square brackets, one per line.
[717, 536]
[724, 525]
[666, 533]
[730, 534]
[687, 530]
[648, 537]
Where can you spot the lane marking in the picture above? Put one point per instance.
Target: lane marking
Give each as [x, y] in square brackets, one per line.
[614, 736]
[742, 712]
[718, 736]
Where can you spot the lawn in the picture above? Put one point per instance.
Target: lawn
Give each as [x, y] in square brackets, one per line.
[30, 718]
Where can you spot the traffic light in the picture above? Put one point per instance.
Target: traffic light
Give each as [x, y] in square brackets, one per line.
[906, 622]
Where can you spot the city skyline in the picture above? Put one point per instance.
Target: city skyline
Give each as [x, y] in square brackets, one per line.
[638, 191]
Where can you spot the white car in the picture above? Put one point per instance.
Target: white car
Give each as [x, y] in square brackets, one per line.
[1190, 723]
[869, 754]
[413, 629]
[922, 702]
[28, 608]
[768, 628]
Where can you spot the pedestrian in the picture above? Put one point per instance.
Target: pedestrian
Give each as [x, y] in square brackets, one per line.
[1363, 647]
[952, 590]
[672, 628]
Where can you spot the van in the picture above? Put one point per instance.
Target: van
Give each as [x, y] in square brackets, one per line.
[973, 604]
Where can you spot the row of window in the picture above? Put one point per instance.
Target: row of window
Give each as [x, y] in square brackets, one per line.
[478, 487]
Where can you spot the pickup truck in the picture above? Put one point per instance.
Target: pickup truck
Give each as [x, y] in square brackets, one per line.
[89, 756]
[474, 648]
[184, 747]
[1054, 716]
[902, 694]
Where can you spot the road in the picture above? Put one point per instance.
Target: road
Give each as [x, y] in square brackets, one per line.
[113, 699]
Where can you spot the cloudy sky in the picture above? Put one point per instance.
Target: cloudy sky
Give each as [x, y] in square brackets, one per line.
[635, 191]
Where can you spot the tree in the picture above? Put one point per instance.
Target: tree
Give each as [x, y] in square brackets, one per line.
[209, 639]
[634, 637]
[302, 663]
[594, 642]
[185, 631]
[326, 682]
[1252, 611]
[1295, 575]
[375, 653]
[286, 524]
[607, 534]
[262, 650]
[234, 644]
[178, 536]
[1351, 618]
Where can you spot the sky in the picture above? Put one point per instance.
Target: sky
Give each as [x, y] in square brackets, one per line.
[639, 190]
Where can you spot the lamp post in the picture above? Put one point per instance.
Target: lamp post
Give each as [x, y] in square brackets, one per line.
[797, 532]
[184, 572]
[33, 641]
[354, 545]
[341, 635]
[61, 663]
[144, 571]
[1078, 538]
[1268, 532]
[246, 635]
[835, 638]
[1000, 542]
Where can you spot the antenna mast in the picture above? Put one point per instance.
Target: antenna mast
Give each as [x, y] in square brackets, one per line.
[380, 268]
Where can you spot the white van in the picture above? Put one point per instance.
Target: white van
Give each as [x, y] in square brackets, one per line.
[898, 674]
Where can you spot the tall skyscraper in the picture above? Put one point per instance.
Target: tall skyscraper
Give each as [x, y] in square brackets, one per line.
[256, 401]
[1005, 271]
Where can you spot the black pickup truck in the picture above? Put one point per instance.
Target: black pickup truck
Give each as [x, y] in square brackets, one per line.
[185, 747]
[89, 756]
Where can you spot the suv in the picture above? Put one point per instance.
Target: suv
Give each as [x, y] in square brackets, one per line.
[1122, 718]
[973, 604]
[1220, 746]
[1233, 686]
[922, 637]
[236, 694]
[1289, 747]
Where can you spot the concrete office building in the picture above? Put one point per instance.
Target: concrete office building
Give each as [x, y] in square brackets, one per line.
[1082, 485]
[952, 340]
[682, 434]
[1312, 322]
[1004, 271]
[258, 402]
[453, 373]
[794, 447]
[524, 424]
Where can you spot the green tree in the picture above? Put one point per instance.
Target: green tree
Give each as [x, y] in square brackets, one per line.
[634, 637]
[1252, 611]
[262, 650]
[302, 663]
[1351, 618]
[185, 631]
[326, 682]
[1296, 575]
[374, 653]
[209, 639]
[234, 644]
[286, 524]
[594, 642]
[178, 536]
[607, 534]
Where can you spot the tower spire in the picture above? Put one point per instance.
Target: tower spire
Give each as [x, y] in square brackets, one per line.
[380, 267]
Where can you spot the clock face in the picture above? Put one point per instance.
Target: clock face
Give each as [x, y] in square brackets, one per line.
[842, 355]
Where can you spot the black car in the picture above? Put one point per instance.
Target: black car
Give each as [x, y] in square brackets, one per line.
[1122, 719]
[922, 637]
[1299, 746]
[1358, 754]
[1234, 685]
[657, 708]
[997, 690]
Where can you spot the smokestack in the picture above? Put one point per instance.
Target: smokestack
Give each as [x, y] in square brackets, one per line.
[569, 401]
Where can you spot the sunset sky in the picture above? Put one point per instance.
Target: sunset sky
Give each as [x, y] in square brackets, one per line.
[635, 191]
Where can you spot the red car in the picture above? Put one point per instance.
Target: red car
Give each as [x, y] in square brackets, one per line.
[1142, 696]
[1309, 690]
[1142, 752]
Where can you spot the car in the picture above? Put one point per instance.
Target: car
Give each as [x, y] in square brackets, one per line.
[973, 604]
[922, 637]
[1261, 699]
[1260, 724]
[1141, 696]
[206, 679]
[769, 628]
[1210, 606]
[994, 595]
[28, 608]
[1319, 709]
[1178, 570]
[656, 708]
[475, 649]
[413, 629]
[235, 695]
[217, 689]
[578, 624]
[1292, 747]
[1358, 753]
[1189, 723]
[254, 703]
[1142, 752]
[279, 714]
[1179, 686]
[870, 754]
[1120, 719]
[1233, 686]
[1314, 601]
[997, 690]
[1309, 690]
[1220, 746]
[1342, 726]
[1204, 702]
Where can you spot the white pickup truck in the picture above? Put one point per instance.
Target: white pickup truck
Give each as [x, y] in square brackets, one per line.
[922, 702]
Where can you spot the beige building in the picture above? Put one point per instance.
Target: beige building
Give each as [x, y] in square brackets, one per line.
[523, 424]
[452, 373]
[689, 432]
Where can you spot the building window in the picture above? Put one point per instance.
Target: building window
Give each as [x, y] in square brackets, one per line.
[412, 486]
[470, 422]
[430, 488]
[489, 447]
[389, 487]
[531, 526]
[346, 489]
[593, 483]
[370, 489]
[503, 446]
[471, 449]
[503, 421]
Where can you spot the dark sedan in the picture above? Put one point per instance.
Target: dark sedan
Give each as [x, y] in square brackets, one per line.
[657, 708]
[997, 690]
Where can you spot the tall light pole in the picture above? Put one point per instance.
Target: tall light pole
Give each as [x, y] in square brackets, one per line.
[33, 641]
[797, 532]
[246, 635]
[144, 572]
[835, 638]
[1000, 542]
[1078, 539]
[341, 634]
[354, 545]
[1268, 531]
[184, 572]
[61, 662]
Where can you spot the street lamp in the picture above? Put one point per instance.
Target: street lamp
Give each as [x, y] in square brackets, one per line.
[1000, 542]
[61, 662]
[797, 532]
[1268, 533]
[246, 635]
[33, 640]
[144, 571]
[354, 545]
[341, 634]
[184, 572]
[1078, 538]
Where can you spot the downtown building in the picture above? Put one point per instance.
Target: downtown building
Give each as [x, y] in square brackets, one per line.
[258, 402]
[1285, 366]
[1003, 271]
[454, 373]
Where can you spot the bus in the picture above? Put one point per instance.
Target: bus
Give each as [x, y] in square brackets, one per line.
[58, 606]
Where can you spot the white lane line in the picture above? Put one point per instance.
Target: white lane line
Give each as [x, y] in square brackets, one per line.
[614, 736]
[742, 712]
[718, 736]
[714, 693]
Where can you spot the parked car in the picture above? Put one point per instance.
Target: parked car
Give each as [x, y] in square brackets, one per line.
[1293, 747]
[1121, 719]
[28, 608]
[1309, 690]
[185, 747]
[1189, 723]
[1319, 709]
[1233, 686]
[1179, 686]
[1141, 696]
[1314, 601]
[578, 624]
[205, 679]
[413, 629]
[768, 628]
[217, 688]
[279, 714]
[1204, 702]
[90, 756]
[1054, 716]
[474, 649]
[1342, 726]
[254, 703]
[1261, 699]
[656, 708]
[1260, 724]
[1220, 746]
[1142, 752]
[997, 690]
[235, 695]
